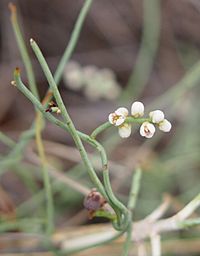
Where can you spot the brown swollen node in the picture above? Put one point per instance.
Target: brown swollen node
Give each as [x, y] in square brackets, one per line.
[93, 202]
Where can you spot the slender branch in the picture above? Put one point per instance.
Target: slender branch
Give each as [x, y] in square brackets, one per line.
[135, 186]
[7, 140]
[83, 153]
[46, 179]
[52, 119]
[100, 129]
[155, 245]
[148, 49]
[23, 50]
[39, 120]
[106, 125]
[16, 154]
[73, 40]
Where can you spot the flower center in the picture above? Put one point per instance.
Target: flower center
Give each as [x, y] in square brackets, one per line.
[115, 118]
[146, 130]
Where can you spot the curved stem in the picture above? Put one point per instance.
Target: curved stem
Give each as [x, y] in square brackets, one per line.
[106, 125]
[100, 129]
[52, 119]
[83, 153]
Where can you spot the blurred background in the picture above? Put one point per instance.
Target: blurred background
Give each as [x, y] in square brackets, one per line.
[128, 50]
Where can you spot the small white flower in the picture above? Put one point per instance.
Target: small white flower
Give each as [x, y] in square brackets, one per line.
[147, 130]
[124, 130]
[157, 116]
[165, 125]
[118, 117]
[72, 76]
[137, 109]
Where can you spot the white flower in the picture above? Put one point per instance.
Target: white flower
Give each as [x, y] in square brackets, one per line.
[124, 130]
[72, 75]
[137, 109]
[118, 117]
[147, 130]
[157, 116]
[165, 125]
[100, 83]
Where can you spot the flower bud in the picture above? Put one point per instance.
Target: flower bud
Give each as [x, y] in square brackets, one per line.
[137, 109]
[165, 125]
[157, 116]
[124, 130]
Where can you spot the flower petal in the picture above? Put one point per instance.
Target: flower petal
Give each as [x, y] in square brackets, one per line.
[122, 112]
[147, 130]
[137, 109]
[165, 125]
[120, 120]
[157, 116]
[124, 130]
[111, 118]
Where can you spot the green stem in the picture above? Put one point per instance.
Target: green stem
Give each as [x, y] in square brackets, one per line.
[39, 120]
[73, 40]
[7, 140]
[148, 49]
[52, 119]
[100, 129]
[23, 50]
[189, 223]
[106, 125]
[115, 203]
[135, 186]
[46, 179]
[127, 242]
[72, 129]
[16, 154]
[83, 153]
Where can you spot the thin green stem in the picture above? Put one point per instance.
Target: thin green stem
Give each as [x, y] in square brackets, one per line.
[189, 223]
[39, 119]
[7, 140]
[148, 49]
[73, 40]
[106, 125]
[16, 154]
[100, 129]
[135, 186]
[23, 50]
[114, 201]
[83, 153]
[52, 119]
[46, 179]
[127, 242]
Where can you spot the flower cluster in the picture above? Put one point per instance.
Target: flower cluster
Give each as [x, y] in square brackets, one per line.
[147, 129]
[95, 83]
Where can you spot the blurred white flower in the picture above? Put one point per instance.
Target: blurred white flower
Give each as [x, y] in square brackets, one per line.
[165, 125]
[124, 130]
[118, 117]
[157, 116]
[147, 130]
[100, 83]
[137, 109]
[72, 76]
